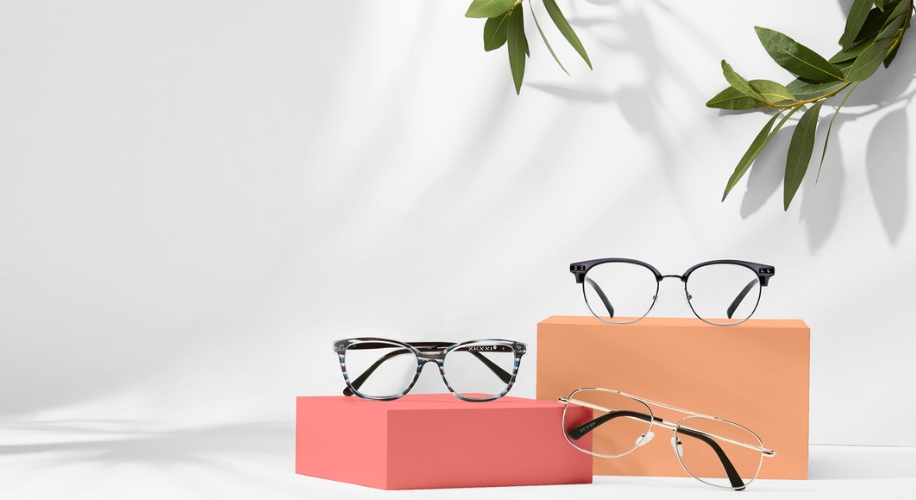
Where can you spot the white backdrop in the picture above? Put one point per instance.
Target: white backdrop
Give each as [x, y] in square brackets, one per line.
[196, 198]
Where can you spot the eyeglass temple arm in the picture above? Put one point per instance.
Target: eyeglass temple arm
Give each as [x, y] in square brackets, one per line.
[735, 303]
[601, 294]
[359, 381]
[658, 421]
[730, 471]
[502, 374]
[578, 432]
[356, 383]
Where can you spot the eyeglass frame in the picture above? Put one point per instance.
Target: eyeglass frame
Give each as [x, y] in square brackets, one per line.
[580, 269]
[730, 471]
[421, 350]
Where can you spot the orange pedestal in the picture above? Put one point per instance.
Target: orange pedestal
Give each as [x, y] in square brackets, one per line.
[436, 441]
[754, 373]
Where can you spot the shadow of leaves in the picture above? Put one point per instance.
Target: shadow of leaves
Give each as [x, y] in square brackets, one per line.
[65, 442]
[886, 162]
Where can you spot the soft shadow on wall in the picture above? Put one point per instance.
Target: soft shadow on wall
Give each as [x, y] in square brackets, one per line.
[886, 163]
[628, 31]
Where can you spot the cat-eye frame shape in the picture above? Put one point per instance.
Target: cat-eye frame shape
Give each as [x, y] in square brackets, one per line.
[719, 292]
[385, 369]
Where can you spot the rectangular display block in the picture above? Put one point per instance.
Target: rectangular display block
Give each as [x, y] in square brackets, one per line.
[436, 441]
[754, 373]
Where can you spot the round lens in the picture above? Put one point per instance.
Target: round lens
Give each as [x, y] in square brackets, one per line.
[605, 423]
[723, 294]
[380, 369]
[718, 452]
[480, 370]
[620, 292]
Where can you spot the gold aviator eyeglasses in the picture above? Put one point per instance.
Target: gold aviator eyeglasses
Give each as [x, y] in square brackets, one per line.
[715, 451]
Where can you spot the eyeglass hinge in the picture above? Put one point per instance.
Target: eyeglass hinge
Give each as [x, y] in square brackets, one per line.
[579, 271]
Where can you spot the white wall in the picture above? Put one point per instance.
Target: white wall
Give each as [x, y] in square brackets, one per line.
[196, 198]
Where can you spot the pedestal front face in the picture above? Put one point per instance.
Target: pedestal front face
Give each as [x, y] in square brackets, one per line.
[436, 441]
[755, 373]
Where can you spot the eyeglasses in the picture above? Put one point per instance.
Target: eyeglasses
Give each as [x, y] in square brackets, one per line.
[720, 292]
[715, 451]
[477, 370]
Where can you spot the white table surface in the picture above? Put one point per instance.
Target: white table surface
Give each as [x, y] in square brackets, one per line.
[100, 460]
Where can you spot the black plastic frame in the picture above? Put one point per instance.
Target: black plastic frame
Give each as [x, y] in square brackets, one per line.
[580, 270]
[425, 352]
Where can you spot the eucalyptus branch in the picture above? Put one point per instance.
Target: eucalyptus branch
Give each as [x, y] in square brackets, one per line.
[874, 29]
[506, 26]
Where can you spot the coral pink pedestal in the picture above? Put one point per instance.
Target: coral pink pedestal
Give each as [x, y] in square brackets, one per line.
[436, 441]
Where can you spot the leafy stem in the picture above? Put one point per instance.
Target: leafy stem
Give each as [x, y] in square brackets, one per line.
[802, 102]
[505, 26]
[874, 30]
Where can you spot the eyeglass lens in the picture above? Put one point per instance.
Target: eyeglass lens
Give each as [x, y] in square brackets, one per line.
[479, 370]
[380, 369]
[474, 370]
[723, 294]
[701, 444]
[611, 434]
[623, 292]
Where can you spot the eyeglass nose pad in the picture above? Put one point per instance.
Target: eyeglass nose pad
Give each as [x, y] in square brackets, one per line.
[687, 298]
[645, 438]
[678, 447]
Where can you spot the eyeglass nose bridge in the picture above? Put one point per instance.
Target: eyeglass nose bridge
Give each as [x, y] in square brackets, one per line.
[683, 280]
[437, 357]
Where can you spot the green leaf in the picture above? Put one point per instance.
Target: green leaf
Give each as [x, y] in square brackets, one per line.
[732, 99]
[830, 128]
[739, 83]
[759, 143]
[543, 37]
[853, 52]
[563, 25]
[797, 58]
[874, 23]
[518, 46]
[756, 93]
[800, 148]
[495, 32]
[804, 90]
[893, 52]
[857, 16]
[771, 91]
[749, 156]
[869, 60]
[488, 8]
[904, 7]
[890, 30]
[844, 66]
